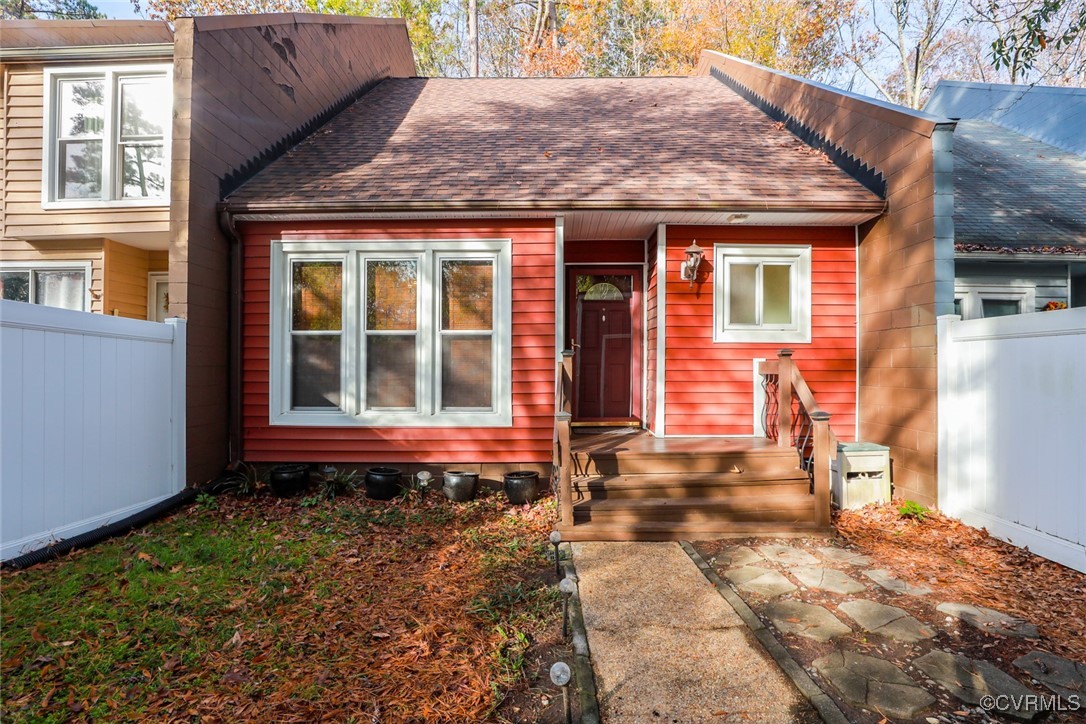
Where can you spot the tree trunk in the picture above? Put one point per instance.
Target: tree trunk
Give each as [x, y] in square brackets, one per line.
[473, 37]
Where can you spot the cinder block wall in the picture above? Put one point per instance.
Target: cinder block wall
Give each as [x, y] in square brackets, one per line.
[244, 85]
[905, 256]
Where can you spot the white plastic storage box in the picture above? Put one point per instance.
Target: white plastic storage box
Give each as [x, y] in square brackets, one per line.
[861, 474]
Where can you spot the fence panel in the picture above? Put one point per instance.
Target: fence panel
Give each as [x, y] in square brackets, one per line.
[1012, 429]
[92, 421]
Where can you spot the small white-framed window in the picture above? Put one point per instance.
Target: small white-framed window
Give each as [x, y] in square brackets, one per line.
[410, 333]
[107, 136]
[975, 301]
[62, 284]
[761, 293]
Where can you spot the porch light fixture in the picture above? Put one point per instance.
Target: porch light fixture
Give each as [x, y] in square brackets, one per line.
[737, 218]
[689, 269]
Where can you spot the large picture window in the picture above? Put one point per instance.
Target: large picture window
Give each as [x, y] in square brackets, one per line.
[107, 135]
[762, 293]
[404, 333]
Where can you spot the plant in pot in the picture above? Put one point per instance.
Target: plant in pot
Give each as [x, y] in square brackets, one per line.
[460, 486]
[287, 480]
[521, 486]
[383, 483]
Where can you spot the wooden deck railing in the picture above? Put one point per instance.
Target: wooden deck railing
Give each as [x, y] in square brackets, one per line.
[562, 461]
[794, 418]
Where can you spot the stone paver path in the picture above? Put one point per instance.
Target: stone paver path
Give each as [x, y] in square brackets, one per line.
[974, 681]
[887, 581]
[828, 579]
[763, 581]
[806, 619]
[831, 554]
[874, 684]
[1064, 677]
[989, 621]
[666, 646]
[889, 621]
[787, 555]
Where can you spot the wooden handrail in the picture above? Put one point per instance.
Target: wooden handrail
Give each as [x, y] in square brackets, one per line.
[563, 425]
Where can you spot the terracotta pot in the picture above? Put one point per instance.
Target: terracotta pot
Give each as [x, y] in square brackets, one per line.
[460, 486]
[287, 480]
[521, 486]
[383, 483]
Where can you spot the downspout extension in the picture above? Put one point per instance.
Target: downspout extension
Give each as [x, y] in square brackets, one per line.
[226, 223]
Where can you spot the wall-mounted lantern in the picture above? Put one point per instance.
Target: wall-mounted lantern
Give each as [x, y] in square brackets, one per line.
[689, 269]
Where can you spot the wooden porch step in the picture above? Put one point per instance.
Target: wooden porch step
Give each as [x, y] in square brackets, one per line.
[751, 508]
[670, 531]
[621, 462]
[692, 485]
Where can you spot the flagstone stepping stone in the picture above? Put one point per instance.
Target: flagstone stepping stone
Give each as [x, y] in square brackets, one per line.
[888, 621]
[989, 621]
[844, 555]
[975, 681]
[762, 581]
[805, 619]
[887, 581]
[739, 556]
[787, 555]
[828, 579]
[1064, 677]
[874, 684]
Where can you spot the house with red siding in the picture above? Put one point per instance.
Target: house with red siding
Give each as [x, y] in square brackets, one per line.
[596, 278]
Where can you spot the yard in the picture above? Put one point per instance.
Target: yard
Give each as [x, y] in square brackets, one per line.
[293, 610]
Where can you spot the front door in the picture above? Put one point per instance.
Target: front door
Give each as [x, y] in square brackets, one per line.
[604, 319]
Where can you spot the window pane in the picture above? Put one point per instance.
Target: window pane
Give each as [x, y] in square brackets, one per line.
[15, 286]
[390, 371]
[742, 279]
[1000, 307]
[623, 282]
[467, 295]
[466, 372]
[958, 307]
[80, 170]
[318, 295]
[145, 107]
[81, 108]
[776, 294]
[315, 373]
[391, 295]
[143, 171]
[61, 288]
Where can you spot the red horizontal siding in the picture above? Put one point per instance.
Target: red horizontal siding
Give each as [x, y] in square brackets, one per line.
[533, 356]
[605, 252]
[709, 388]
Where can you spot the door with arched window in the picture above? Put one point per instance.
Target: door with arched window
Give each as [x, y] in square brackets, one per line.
[605, 331]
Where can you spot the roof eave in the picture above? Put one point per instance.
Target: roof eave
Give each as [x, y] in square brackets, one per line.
[128, 51]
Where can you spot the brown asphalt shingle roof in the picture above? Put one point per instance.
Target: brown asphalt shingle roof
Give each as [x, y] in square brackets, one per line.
[649, 142]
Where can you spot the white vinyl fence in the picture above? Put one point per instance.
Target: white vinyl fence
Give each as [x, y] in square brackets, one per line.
[92, 421]
[1012, 429]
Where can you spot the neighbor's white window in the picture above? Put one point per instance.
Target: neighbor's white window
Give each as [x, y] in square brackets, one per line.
[762, 293]
[52, 284]
[972, 301]
[107, 135]
[404, 333]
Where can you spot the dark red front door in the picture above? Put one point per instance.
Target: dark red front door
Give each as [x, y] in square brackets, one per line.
[603, 317]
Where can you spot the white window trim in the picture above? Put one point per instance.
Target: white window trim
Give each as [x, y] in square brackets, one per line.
[110, 143]
[973, 296]
[800, 258]
[427, 362]
[32, 266]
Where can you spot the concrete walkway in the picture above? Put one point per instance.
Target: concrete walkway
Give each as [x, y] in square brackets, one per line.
[667, 647]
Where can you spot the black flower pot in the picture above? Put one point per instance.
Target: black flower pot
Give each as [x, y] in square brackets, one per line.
[521, 486]
[460, 486]
[287, 480]
[383, 483]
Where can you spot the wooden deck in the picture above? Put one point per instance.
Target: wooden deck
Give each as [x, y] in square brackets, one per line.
[631, 485]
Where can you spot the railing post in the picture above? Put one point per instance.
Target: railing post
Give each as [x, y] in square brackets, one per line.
[821, 465]
[565, 469]
[784, 398]
[567, 381]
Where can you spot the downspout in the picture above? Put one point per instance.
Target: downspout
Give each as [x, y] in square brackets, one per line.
[226, 223]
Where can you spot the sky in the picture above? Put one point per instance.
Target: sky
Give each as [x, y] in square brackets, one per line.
[120, 9]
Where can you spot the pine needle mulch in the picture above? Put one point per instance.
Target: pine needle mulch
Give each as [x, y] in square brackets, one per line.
[268, 610]
[967, 565]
